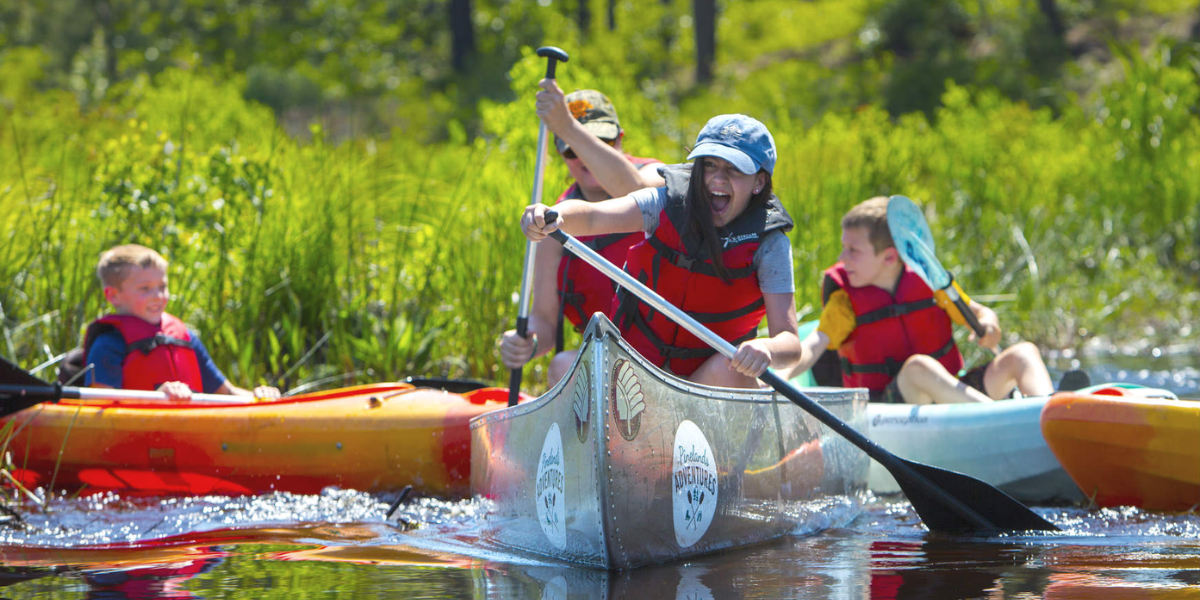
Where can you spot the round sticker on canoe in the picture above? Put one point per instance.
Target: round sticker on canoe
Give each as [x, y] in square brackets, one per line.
[694, 484]
[550, 489]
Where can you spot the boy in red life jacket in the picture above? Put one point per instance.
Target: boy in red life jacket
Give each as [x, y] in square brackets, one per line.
[715, 246]
[893, 334]
[142, 347]
[588, 136]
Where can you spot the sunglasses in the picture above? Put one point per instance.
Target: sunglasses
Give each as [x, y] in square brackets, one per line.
[570, 154]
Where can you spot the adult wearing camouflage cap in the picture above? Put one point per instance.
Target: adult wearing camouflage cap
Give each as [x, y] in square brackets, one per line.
[588, 136]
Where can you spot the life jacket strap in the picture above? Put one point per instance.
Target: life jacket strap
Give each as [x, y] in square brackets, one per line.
[627, 314]
[890, 367]
[147, 345]
[892, 311]
[700, 267]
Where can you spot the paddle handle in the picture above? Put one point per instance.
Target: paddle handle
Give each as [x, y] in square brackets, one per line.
[552, 55]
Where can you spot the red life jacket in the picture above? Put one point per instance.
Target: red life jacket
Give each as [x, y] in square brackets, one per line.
[155, 354]
[890, 328]
[582, 290]
[678, 268]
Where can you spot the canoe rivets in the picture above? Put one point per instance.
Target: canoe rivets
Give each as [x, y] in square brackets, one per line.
[339, 445]
[225, 447]
[374, 402]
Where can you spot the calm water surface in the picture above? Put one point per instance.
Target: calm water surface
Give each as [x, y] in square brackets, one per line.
[339, 545]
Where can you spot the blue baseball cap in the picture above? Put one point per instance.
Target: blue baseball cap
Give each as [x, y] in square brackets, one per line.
[741, 140]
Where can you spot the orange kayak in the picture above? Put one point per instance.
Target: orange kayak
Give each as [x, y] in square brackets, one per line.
[1128, 451]
[372, 438]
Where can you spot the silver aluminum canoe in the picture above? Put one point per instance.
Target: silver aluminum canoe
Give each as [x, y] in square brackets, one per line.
[621, 464]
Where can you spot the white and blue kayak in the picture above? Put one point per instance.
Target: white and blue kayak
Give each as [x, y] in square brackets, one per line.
[1000, 443]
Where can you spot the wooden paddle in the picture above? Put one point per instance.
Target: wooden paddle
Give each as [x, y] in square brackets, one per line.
[552, 55]
[946, 501]
[20, 390]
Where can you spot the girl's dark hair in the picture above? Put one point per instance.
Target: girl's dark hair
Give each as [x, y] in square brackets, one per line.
[700, 220]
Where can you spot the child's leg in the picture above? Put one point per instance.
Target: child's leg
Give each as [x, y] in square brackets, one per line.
[923, 380]
[716, 372]
[560, 365]
[1018, 366]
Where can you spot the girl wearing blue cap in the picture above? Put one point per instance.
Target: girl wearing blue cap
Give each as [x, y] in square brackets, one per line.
[716, 247]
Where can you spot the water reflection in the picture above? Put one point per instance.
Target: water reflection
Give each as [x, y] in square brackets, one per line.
[881, 556]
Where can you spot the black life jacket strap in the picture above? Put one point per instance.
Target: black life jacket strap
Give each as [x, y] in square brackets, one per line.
[147, 345]
[601, 242]
[700, 267]
[890, 367]
[627, 315]
[894, 310]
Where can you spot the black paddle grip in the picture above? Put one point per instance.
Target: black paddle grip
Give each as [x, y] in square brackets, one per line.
[552, 54]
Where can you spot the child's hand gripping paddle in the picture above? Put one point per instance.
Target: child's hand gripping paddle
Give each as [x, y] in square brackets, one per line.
[914, 242]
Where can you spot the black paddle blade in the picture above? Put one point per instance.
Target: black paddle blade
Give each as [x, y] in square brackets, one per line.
[946, 501]
[955, 503]
[19, 390]
[10, 373]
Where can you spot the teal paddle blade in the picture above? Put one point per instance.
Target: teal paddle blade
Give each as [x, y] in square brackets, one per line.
[914, 241]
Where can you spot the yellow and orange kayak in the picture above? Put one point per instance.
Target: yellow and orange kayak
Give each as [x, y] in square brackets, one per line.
[372, 438]
[1128, 451]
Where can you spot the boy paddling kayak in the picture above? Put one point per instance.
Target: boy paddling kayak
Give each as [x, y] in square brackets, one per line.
[892, 332]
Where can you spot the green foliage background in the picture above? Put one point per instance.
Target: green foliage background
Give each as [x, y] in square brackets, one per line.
[334, 199]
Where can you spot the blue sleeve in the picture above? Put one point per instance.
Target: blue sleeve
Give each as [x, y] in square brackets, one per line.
[210, 375]
[108, 355]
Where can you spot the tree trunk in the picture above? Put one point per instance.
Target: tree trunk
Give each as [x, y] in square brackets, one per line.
[462, 34]
[1050, 10]
[612, 15]
[585, 18]
[104, 14]
[705, 22]
[1196, 38]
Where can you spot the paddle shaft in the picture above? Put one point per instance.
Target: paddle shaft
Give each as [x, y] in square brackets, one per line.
[552, 55]
[36, 394]
[906, 472]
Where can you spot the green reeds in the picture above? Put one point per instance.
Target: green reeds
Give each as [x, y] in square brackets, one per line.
[297, 261]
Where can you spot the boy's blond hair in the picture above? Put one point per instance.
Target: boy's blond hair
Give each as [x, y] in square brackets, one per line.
[872, 216]
[116, 263]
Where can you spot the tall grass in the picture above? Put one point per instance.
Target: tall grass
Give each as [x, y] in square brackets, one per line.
[300, 260]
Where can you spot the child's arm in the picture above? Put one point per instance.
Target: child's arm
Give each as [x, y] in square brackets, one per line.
[781, 350]
[812, 347]
[577, 217]
[611, 168]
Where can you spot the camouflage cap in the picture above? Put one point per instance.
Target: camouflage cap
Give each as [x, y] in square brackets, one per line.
[595, 112]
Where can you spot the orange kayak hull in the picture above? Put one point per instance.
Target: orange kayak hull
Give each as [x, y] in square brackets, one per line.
[1128, 451]
[373, 438]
